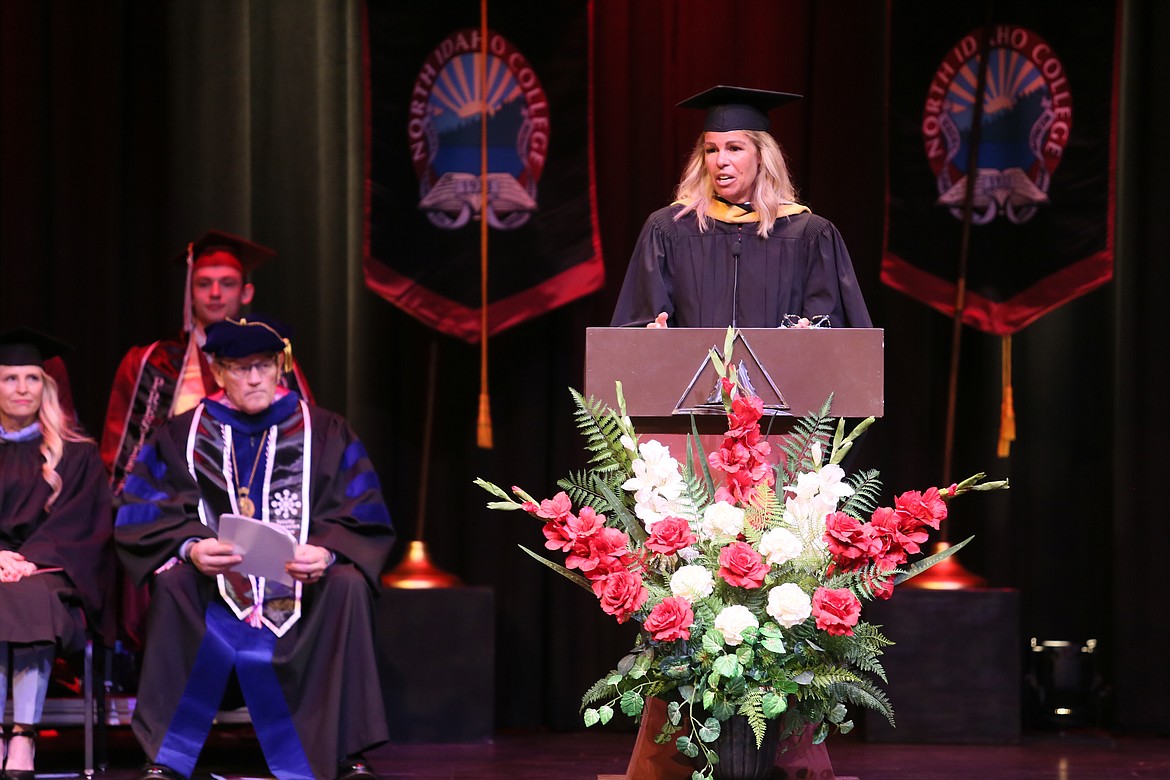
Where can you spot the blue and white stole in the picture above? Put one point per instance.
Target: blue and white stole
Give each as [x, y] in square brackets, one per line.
[281, 497]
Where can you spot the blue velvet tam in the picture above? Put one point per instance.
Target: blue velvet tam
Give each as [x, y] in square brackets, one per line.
[737, 108]
[28, 347]
[251, 335]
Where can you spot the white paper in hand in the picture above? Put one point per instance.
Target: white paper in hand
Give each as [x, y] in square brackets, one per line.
[266, 547]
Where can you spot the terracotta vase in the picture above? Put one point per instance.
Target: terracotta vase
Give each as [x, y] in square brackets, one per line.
[739, 758]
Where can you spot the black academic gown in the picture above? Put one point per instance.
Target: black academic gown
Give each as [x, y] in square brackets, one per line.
[75, 534]
[312, 691]
[802, 268]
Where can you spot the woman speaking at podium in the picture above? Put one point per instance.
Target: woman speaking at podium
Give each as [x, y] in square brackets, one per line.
[735, 247]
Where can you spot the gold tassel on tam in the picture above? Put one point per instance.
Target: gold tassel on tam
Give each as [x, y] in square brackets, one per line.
[1007, 411]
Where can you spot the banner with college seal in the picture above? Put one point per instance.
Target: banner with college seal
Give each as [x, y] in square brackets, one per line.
[425, 148]
[1042, 207]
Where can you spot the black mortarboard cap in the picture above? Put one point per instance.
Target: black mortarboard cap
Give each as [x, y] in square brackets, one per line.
[250, 254]
[28, 347]
[737, 108]
[249, 335]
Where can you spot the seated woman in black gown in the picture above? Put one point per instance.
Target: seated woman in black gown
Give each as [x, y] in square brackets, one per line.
[56, 551]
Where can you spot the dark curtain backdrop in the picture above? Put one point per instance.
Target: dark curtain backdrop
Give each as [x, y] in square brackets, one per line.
[127, 128]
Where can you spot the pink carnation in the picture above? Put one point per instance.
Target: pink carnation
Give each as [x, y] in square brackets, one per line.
[927, 508]
[603, 552]
[850, 542]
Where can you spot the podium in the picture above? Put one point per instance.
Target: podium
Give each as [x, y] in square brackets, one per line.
[668, 380]
[666, 374]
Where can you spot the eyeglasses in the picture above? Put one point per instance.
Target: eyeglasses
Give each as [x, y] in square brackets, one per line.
[263, 367]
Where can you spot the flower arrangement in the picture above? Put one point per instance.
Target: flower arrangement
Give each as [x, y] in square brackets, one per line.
[747, 578]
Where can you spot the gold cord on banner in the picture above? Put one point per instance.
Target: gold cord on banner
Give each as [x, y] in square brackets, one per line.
[1007, 410]
[484, 427]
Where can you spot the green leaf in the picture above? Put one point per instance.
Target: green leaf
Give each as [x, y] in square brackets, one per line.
[632, 703]
[845, 727]
[920, 566]
[674, 713]
[605, 712]
[686, 746]
[709, 731]
[773, 645]
[592, 717]
[561, 570]
[773, 704]
[728, 666]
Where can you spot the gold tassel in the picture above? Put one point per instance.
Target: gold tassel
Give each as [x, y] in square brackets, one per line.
[483, 437]
[1007, 411]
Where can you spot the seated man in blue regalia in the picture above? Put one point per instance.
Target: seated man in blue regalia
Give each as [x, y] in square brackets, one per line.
[303, 651]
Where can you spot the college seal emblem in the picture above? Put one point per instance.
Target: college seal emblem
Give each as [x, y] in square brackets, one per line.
[1026, 121]
[447, 108]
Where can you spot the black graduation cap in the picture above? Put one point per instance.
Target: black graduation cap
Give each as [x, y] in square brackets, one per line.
[28, 347]
[737, 108]
[250, 254]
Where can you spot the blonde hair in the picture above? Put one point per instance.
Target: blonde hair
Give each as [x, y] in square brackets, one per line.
[772, 188]
[56, 429]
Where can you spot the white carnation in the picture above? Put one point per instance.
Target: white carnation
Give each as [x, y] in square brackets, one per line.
[733, 621]
[788, 605]
[779, 545]
[692, 583]
[722, 519]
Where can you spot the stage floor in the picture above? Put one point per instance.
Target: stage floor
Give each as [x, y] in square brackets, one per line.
[233, 753]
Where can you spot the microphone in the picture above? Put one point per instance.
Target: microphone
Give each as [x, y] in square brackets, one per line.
[735, 249]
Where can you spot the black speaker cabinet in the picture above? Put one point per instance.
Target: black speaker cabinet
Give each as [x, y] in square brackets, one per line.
[436, 657]
[954, 672]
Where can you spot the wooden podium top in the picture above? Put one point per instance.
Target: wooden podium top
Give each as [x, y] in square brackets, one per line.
[667, 375]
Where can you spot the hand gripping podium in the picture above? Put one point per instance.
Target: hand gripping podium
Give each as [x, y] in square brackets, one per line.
[667, 375]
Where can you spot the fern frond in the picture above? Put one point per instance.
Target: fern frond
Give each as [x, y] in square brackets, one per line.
[814, 427]
[752, 708]
[867, 488]
[602, 430]
[598, 690]
[863, 693]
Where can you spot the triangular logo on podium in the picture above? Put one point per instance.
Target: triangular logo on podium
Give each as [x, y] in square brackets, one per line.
[702, 395]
